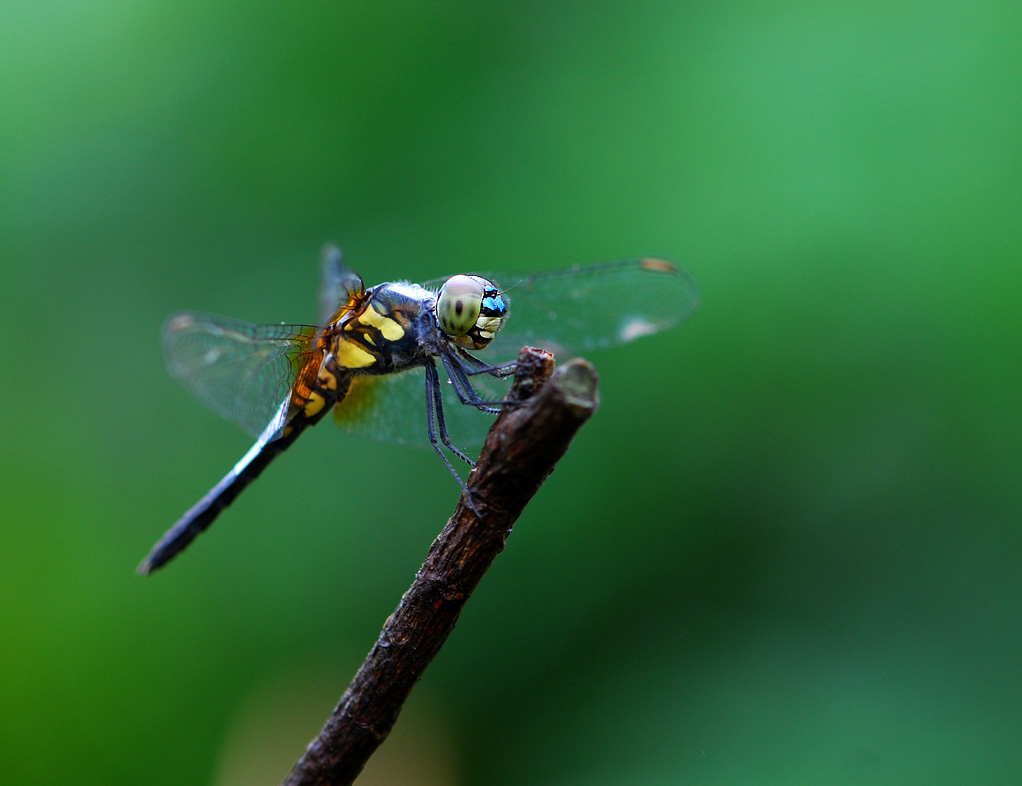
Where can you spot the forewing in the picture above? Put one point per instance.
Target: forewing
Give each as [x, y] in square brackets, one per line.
[580, 309]
[339, 283]
[587, 307]
[239, 370]
[569, 311]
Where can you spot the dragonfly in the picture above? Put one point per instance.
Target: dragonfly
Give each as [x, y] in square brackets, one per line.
[376, 355]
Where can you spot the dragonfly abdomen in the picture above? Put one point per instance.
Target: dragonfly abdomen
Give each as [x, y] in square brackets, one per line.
[328, 389]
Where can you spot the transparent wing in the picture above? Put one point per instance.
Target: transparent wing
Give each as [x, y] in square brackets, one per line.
[567, 311]
[338, 284]
[587, 307]
[239, 370]
[243, 371]
[392, 408]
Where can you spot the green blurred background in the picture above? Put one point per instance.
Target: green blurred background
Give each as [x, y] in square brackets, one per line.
[787, 549]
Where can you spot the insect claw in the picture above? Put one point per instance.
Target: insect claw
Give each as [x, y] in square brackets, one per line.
[470, 501]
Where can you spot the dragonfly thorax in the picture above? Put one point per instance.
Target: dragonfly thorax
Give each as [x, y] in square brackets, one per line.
[390, 328]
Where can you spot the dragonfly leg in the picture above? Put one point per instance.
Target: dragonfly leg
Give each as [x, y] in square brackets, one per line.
[462, 387]
[466, 393]
[435, 416]
[480, 367]
[437, 430]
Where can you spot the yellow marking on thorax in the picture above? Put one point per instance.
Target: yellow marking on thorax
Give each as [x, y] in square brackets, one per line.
[351, 355]
[388, 327]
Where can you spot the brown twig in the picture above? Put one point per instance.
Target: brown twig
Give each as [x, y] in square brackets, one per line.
[520, 452]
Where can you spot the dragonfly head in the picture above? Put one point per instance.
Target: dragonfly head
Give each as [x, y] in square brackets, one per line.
[470, 311]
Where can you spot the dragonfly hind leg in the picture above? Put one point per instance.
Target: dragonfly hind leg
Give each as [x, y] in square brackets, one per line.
[435, 423]
[437, 430]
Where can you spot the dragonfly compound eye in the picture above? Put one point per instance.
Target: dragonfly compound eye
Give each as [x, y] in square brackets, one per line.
[470, 310]
[459, 304]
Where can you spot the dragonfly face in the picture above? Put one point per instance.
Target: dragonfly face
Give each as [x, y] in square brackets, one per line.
[364, 359]
[470, 311]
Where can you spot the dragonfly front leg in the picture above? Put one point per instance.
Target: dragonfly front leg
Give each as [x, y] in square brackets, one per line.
[480, 367]
[463, 387]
